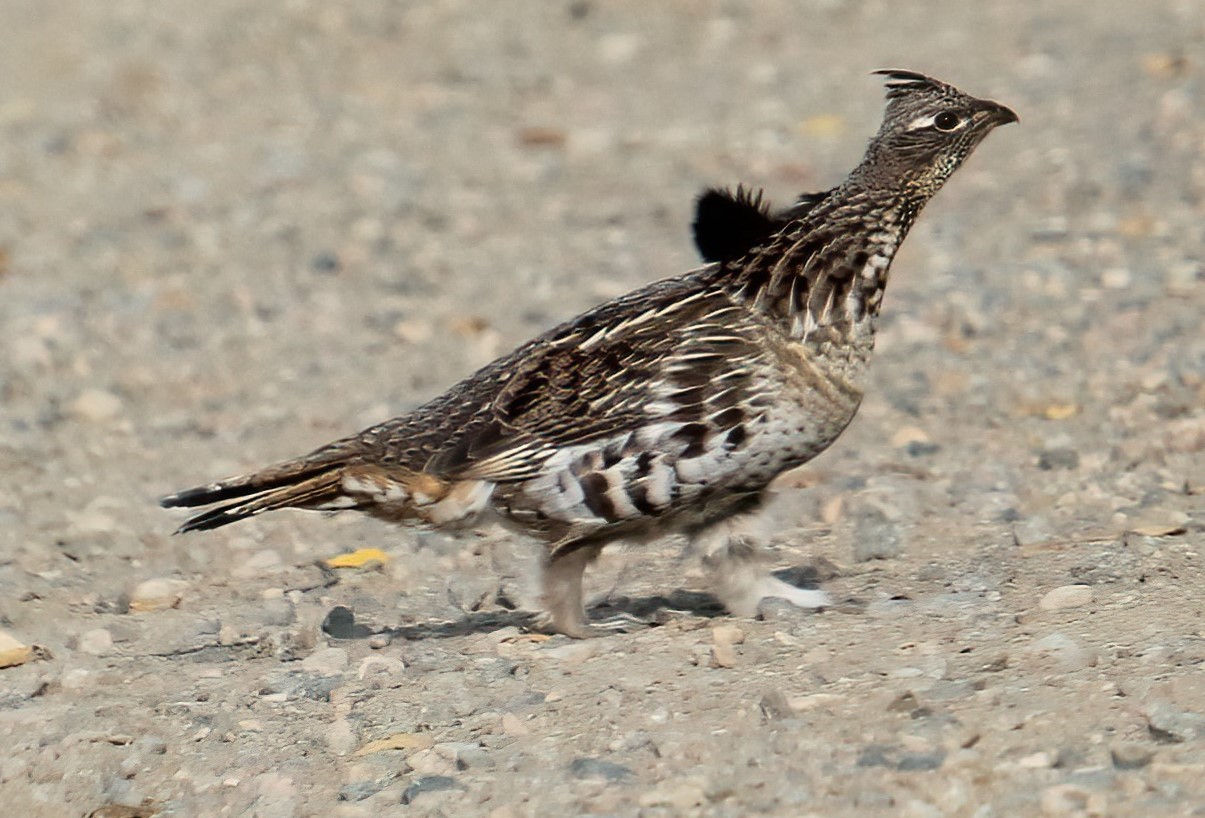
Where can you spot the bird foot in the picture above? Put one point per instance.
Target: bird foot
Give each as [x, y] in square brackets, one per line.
[581, 628]
[774, 588]
[743, 598]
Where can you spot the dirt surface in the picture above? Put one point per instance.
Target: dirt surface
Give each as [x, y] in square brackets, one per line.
[232, 231]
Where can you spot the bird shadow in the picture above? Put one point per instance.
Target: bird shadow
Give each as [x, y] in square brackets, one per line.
[635, 611]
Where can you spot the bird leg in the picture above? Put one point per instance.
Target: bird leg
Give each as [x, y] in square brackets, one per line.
[562, 589]
[741, 581]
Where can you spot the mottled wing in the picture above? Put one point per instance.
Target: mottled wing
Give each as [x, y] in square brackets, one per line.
[676, 361]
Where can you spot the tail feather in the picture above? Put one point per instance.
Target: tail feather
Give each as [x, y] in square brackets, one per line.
[323, 490]
[255, 483]
[312, 481]
[288, 473]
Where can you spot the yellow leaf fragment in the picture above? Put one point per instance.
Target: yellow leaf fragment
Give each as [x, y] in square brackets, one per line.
[398, 741]
[358, 558]
[1060, 411]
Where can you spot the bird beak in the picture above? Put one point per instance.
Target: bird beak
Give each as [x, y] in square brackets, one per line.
[998, 114]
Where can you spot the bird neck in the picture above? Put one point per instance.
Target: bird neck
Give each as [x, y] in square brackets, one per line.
[824, 275]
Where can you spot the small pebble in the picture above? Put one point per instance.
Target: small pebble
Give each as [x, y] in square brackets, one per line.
[380, 670]
[1051, 459]
[75, 679]
[586, 767]
[1066, 596]
[1033, 531]
[920, 762]
[258, 564]
[727, 635]
[276, 796]
[724, 655]
[876, 536]
[574, 652]
[130, 765]
[430, 783]
[151, 745]
[1131, 755]
[1072, 800]
[359, 790]
[157, 594]
[465, 755]
[678, 795]
[774, 706]
[12, 768]
[1116, 278]
[96, 642]
[1059, 652]
[12, 651]
[341, 737]
[96, 406]
[340, 623]
[1169, 724]
[429, 762]
[1040, 760]
[512, 725]
[326, 662]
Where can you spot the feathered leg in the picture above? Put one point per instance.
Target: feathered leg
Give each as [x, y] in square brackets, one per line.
[562, 588]
[740, 579]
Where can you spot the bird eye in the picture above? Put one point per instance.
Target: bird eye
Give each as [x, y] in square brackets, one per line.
[946, 121]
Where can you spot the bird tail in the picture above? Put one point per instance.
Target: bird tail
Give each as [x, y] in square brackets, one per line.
[314, 482]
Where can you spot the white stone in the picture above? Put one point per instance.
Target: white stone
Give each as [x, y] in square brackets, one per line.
[341, 738]
[727, 635]
[75, 679]
[276, 796]
[96, 642]
[96, 405]
[1067, 596]
[258, 564]
[325, 662]
[1060, 652]
[157, 594]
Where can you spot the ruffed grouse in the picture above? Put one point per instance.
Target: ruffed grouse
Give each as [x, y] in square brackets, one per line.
[671, 408]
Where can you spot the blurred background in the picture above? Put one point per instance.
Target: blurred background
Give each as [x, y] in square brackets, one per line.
[232, 231]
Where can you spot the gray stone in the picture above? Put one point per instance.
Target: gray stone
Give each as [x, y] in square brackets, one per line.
[1169, 724]
[1131, 755]
[1058, 458]
[1059, 652]
[96, 642]
[874, 755]
[876, 536]
[775, 707]
[465, 755]
[429, 783]
[326, 662]
[920, 762]
[359, 790]
[151, 745]
[586, 767]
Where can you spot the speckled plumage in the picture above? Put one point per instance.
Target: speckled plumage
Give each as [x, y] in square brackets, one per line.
[667, 409]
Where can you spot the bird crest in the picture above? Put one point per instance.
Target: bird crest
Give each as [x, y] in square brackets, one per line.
[901, 82]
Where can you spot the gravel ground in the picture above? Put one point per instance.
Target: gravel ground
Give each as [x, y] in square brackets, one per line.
[232, 231]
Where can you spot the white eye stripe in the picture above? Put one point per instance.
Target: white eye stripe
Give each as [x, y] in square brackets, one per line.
[921, 122]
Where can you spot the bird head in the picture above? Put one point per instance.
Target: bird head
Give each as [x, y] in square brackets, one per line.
[928, 130]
